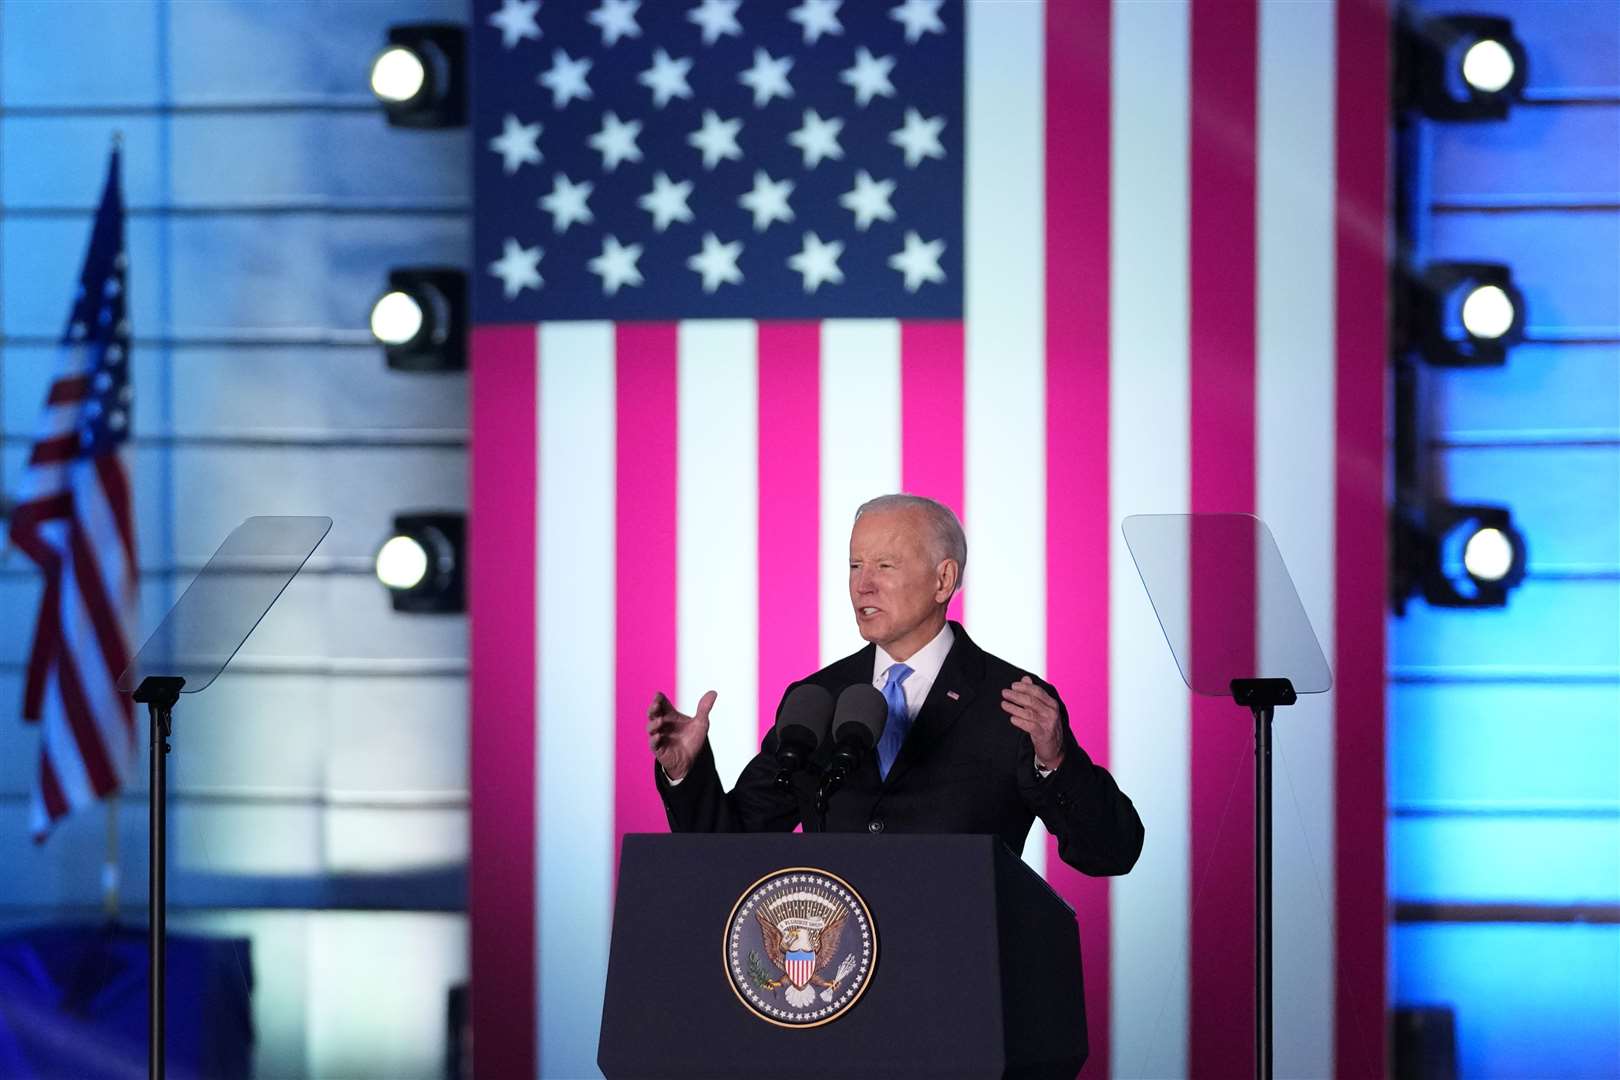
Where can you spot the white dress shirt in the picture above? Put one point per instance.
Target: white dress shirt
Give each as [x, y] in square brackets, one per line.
[924, 664]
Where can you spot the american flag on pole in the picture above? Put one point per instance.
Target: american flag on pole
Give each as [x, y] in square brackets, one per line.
[73, 519]
[740, 266]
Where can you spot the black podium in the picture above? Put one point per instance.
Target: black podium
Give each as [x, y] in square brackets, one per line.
[974, 962]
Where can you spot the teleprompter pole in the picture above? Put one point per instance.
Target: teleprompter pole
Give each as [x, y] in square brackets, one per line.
[159, 694]
[1262, 696]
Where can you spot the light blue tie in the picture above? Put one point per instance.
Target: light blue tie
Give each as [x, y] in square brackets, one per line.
[899, 722]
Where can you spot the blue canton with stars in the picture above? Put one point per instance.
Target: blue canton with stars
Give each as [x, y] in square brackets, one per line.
[99, 325]
[691, 159]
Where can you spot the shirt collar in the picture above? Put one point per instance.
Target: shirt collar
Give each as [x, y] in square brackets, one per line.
[924, 663]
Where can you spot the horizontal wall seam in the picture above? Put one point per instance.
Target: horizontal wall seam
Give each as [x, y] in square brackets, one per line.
[294, 103]
[1445, 911]
[135, 798]
[1600, 810]
[238, 337]
[1532, 439]
[1531, 203]
[1462, 674]
[332, 439]
[459, 208]
[436, 667]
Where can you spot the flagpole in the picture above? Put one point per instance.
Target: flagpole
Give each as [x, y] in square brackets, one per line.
[110, 872]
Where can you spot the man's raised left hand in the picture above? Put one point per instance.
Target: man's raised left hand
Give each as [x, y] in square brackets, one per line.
[1035, 711]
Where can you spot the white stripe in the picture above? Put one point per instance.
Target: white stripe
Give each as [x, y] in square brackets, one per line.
[96, 683]
[1295, 430]
[1005, 343]
[58, 744]
[717, 530]
[100, 527]
[575, 743]
[1148, 473]
[860, 454]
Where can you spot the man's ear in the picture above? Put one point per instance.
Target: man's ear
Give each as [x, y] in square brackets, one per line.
[948, 575]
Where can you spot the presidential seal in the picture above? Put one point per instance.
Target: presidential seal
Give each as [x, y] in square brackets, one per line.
[800, 947]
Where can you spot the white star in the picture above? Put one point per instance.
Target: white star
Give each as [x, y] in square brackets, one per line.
[616, 141]
[768, 201]
[717, 139]
[616, 19]
[666, 78]
[516, 144]
[518, 268]
[768, 78]
[919, 262]
[919, 137]
[718, 18]
[920, 17]
[616, 265]
[516, 21]
[666, 202]
[566, 79]
[567, 203]
[717, 262]
[818, 262]
[818, 138]
[817, 17]
[868, 200]
[869, 77]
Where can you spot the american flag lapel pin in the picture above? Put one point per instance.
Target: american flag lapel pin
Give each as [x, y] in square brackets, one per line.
[952, 694]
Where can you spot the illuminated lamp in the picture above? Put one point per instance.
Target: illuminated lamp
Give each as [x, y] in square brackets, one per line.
[423, 563]
[1465, 314]
[420, 77]
[1461, 67]
[421, 319]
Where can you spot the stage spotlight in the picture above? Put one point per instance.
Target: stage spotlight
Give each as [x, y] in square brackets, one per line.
[421, 76]
[1462, 67]
[1465, 314]
[1458, 556]
[422, 563]
[421, 319]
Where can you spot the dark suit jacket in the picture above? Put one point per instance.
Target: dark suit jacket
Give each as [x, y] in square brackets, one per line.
[964, 768]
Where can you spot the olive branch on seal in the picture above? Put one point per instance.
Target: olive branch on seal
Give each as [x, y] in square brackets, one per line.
[758, 975]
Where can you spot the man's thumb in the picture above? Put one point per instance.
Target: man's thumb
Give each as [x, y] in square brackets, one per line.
[705, 703]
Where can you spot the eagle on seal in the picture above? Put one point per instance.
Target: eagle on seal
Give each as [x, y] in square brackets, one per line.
[795, 936]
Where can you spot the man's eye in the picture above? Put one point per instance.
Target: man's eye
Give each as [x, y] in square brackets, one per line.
[885, 566]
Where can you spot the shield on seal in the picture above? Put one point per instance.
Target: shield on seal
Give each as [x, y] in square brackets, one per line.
[800, 966]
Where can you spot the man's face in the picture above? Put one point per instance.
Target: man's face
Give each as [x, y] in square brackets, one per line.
[898, 592]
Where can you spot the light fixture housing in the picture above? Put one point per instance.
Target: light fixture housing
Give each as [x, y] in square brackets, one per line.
[420, 77]
[1463, 314]
[1461, 67]
[423, 562]
[421, 319]
[1457, 556]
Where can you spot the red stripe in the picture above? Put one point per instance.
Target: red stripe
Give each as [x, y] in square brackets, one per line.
[644, 533]
[789, 508]
[1078, 529]
[1362, 216]
[1224, 119]
[66, 391]
[931, 416]
[110, 470]
[501, 574]
[57, 449]
[95, 753]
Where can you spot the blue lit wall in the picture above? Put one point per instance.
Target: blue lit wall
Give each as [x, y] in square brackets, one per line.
[1505, 738]
[324, 777]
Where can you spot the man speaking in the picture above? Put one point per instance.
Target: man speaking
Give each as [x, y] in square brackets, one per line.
[972, 744]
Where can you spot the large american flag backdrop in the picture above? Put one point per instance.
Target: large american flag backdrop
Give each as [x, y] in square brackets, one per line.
[739, 267]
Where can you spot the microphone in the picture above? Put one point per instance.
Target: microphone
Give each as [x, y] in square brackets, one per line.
[802, 724]
[857, 726]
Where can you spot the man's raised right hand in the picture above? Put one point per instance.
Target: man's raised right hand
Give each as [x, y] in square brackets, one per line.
[675, 738]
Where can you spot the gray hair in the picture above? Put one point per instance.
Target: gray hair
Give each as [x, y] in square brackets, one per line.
[946, 538]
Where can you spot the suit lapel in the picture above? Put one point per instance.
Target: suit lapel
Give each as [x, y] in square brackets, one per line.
[954, 688]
